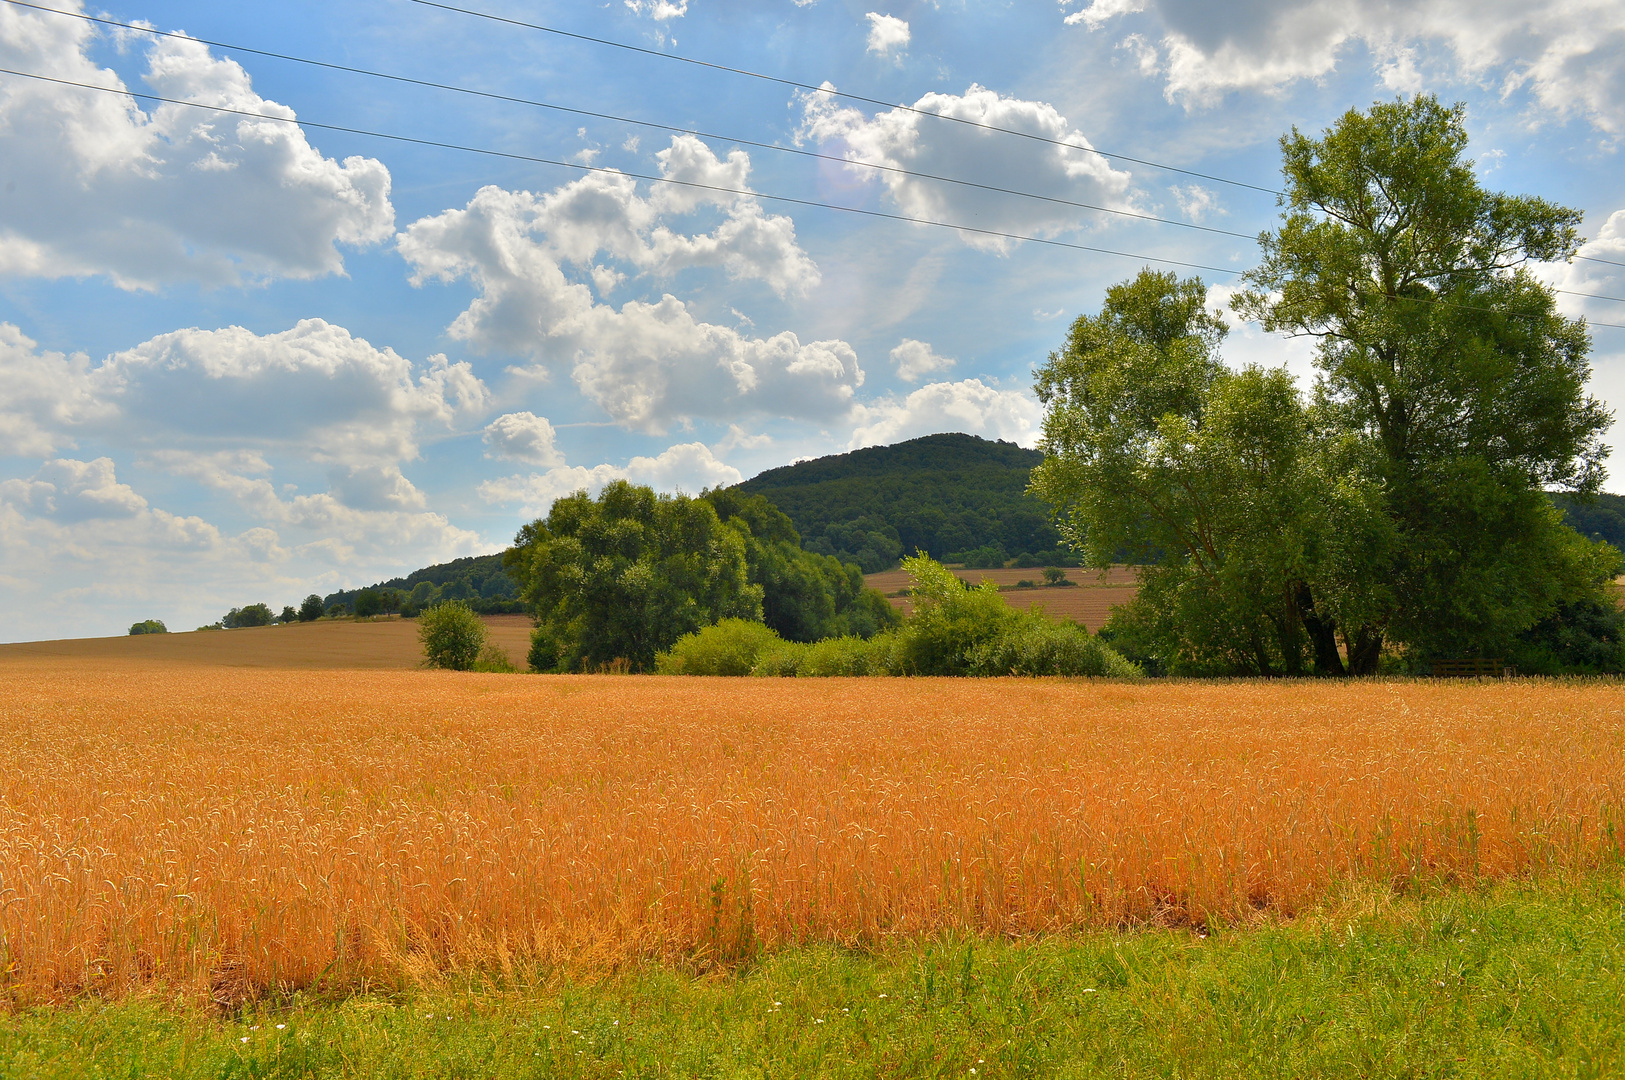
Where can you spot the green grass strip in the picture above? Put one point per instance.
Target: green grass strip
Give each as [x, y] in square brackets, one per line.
[1517, 980]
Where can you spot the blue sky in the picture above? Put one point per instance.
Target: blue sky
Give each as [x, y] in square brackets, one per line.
[243, 361]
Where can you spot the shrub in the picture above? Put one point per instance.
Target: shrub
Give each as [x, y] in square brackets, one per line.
[844, 656]
[729, 647]
[494, 658]
[949, 620]
[149, 626]
[1054, 575]
[453, 636]
[782, 660]
[1032, 645]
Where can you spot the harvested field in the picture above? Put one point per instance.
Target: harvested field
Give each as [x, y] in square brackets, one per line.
[1090, 602]
[329, 643]
[226, 832]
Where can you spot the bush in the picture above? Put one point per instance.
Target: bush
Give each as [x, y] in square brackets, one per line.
[949, 620]
[1032, 645]
[845, 656]
[453, 636]
[729, 647]
[149, 626]
[495, 659]
[781, 661]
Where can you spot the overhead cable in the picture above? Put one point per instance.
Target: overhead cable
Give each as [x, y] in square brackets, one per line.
[720, 189]
[832, 92]
[137, 28]
[578, 166]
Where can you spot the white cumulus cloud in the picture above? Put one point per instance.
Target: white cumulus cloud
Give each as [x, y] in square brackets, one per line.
[916, 359]
[901, 139]
[688, 467]
[647, 364]
[97, 184]
[523, 437]
[47, 396]
[887, 34]
[969, 406]
[1569, 55]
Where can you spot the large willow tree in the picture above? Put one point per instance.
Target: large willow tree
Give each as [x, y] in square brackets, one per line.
[1403, 508]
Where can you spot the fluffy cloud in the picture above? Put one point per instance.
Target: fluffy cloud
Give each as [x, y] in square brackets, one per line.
[916, 359]
[1568, 54]
[689, 467]
[95, 185]
[887, 33]
[646, 364]
[523, 437]
[660, 10]
[314, 390]
[969, 406]
[82, 553]
[69, 491]
[901, 139]
[47, 397]
[214, 406]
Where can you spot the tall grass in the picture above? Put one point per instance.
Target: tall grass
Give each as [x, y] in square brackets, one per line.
[227, 833]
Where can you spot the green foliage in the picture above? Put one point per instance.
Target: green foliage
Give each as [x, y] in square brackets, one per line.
[493, 658]
[842, 656]
[730, 647]
[453, 636]
[940, 494]
[252, 615]
[480, 581]
[1034, 645]
[149, 626]
[1456, 388]
[1517, 980]
[1054, 575]
[288, 615]
[616, 580]
[805, 596]
[1597, 517]
[1404, 507]
[311, 609]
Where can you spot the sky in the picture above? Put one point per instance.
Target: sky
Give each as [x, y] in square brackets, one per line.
[243, 360]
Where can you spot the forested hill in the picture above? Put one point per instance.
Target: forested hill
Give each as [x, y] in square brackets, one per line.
[1600, 520]
[958, 497]
[479, 579]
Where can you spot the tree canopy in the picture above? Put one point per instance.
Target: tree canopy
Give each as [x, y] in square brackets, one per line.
[615, 580]
[1402, 508]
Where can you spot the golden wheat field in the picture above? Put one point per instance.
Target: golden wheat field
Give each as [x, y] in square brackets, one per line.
[226, 832]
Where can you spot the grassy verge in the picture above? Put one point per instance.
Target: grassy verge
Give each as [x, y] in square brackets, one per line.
[1517, 980]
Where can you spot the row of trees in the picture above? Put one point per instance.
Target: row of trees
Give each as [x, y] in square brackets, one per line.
[615, 580]
[1401, 510]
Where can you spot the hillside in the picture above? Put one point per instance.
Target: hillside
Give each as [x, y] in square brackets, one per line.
[479, 579]
[1601, 520]
[958, 497]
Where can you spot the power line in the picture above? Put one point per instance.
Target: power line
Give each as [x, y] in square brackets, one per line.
[832, 92]
[509, 155]
[628, 120]
[413, 140]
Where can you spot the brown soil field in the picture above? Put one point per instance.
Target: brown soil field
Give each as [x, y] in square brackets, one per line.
[224, 832]
[337, 643]
[1090, 603]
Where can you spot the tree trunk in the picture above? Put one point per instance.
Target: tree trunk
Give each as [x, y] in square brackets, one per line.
[1364, 650]
[1322, 635]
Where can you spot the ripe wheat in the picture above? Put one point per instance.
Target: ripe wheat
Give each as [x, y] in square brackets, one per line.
[234, 832]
